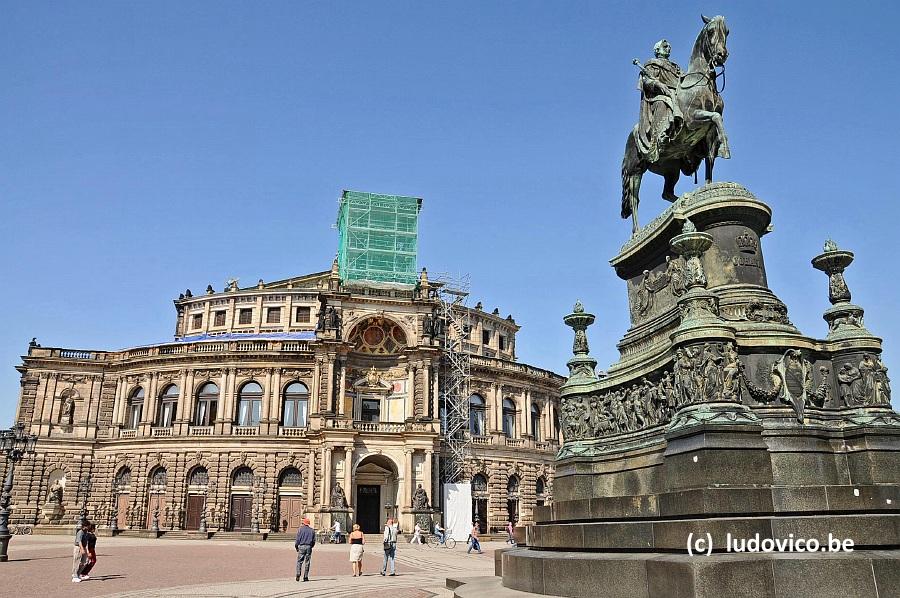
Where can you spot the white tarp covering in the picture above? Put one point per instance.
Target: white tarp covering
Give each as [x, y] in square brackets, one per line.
[458, 510]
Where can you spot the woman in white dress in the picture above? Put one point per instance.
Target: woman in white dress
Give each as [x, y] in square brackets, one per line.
[356, 540]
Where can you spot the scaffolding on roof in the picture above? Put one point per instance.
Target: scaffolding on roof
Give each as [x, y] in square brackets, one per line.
[378, 237]
[453, 292]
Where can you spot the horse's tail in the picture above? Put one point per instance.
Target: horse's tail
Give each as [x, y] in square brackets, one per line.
[629, 166]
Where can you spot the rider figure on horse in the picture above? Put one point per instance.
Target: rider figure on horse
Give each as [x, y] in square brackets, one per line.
[660, 117]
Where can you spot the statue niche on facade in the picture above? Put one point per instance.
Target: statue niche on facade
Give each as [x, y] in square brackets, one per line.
[680, 122]
[338, 499]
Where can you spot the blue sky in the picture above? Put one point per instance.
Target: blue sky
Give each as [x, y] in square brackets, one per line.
[148, 148]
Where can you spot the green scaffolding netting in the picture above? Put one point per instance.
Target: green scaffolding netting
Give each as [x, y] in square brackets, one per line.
[377, 237]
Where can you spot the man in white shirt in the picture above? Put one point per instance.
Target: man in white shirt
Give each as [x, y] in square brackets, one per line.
[336, 533]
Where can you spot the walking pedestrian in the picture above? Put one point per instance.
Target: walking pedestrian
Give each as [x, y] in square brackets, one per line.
[89, 542]
[391, 532]
[356, 539]
[510, 538]
[306, 539]
[474, 544]
[79, 554]
[336, 533]
[417, 535]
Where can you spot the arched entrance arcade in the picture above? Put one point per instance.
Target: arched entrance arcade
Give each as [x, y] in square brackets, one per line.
[377, 480]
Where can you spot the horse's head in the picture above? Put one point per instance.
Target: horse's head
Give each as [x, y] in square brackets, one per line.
[712, 40]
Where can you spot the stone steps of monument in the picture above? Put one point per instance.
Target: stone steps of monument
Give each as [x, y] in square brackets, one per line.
[836, 498]
[187, 535]
[877, 530]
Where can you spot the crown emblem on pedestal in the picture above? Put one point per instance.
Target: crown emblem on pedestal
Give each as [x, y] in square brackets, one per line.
[746, 242]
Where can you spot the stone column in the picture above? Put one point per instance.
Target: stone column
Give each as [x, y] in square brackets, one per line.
[329, 406]
[426, 392]
[436, 394]
[342, 392]
[183, 409]
[326, 475]
[427, 481]
[410, 390]
[117, 404]
[407, 478]
[314, 389]
[348, 469]
[527, 416]
[275, 405]
[311, 479]
[149, 416]
[226, 410]
[498, 408]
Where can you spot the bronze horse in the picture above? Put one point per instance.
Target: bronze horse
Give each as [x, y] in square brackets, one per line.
[700, 137]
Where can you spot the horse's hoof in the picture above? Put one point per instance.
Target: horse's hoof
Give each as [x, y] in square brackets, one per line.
[724, 152]
[669, 196]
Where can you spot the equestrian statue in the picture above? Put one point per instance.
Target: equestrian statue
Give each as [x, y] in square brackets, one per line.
[680, 120]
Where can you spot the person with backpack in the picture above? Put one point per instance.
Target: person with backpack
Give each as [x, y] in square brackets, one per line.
[391, 532]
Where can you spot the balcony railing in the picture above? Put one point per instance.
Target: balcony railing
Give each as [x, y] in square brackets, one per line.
[246, 430]
[542, 445]
[128, 433]
[482, 440]
[70, 354]
[379, 427]
[515, 442]
[293, 432]
[162, 432]
[200, 430]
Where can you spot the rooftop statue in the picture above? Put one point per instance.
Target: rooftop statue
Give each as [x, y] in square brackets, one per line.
[680, 120]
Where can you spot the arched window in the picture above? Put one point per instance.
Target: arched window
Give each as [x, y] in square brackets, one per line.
[290, 478]
[135, 408]
[158, 480]
[512, 498]
[249, 404]
[199, 476]
[122, 481]
[243, 477]
[207, 405]
[540, 491]
[535, 421]
[168, 401]
[476, 415]
[295, 403]
[509, 418]
[479, 483]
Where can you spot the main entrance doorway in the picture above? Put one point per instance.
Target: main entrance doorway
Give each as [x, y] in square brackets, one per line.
[241, 512]
[368, 508]
[195, 505]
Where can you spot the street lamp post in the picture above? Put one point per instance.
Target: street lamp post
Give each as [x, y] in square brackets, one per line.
[15, 444]
[84, 487]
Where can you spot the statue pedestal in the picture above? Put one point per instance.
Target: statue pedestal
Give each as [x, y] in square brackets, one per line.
[720, 422]
[52, 512]
[425, 519]
[342, 515]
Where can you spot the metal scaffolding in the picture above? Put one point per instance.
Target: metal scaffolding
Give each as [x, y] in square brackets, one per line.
[455, 370]
[378, 237]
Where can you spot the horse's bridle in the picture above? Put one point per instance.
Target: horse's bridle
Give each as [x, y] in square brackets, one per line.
[705, 78]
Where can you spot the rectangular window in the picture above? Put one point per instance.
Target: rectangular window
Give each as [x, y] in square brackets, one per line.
[206, 412]
[219, 318]
[303, 315]
[502, 340]
[166, 414]
[197, 321]
[273, 315]
[485, 337]
[245, 316]
[248, 412]
[371, 410]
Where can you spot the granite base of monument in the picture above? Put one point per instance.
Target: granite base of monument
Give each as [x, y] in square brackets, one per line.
[725, 453]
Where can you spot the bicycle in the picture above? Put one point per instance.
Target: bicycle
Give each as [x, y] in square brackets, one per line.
[431, 541]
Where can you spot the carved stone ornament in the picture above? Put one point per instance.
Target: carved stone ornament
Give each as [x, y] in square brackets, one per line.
[757, 311]
[73, 378]
[251, 373]
[866, 384]
[791, 379]
[672, 278]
